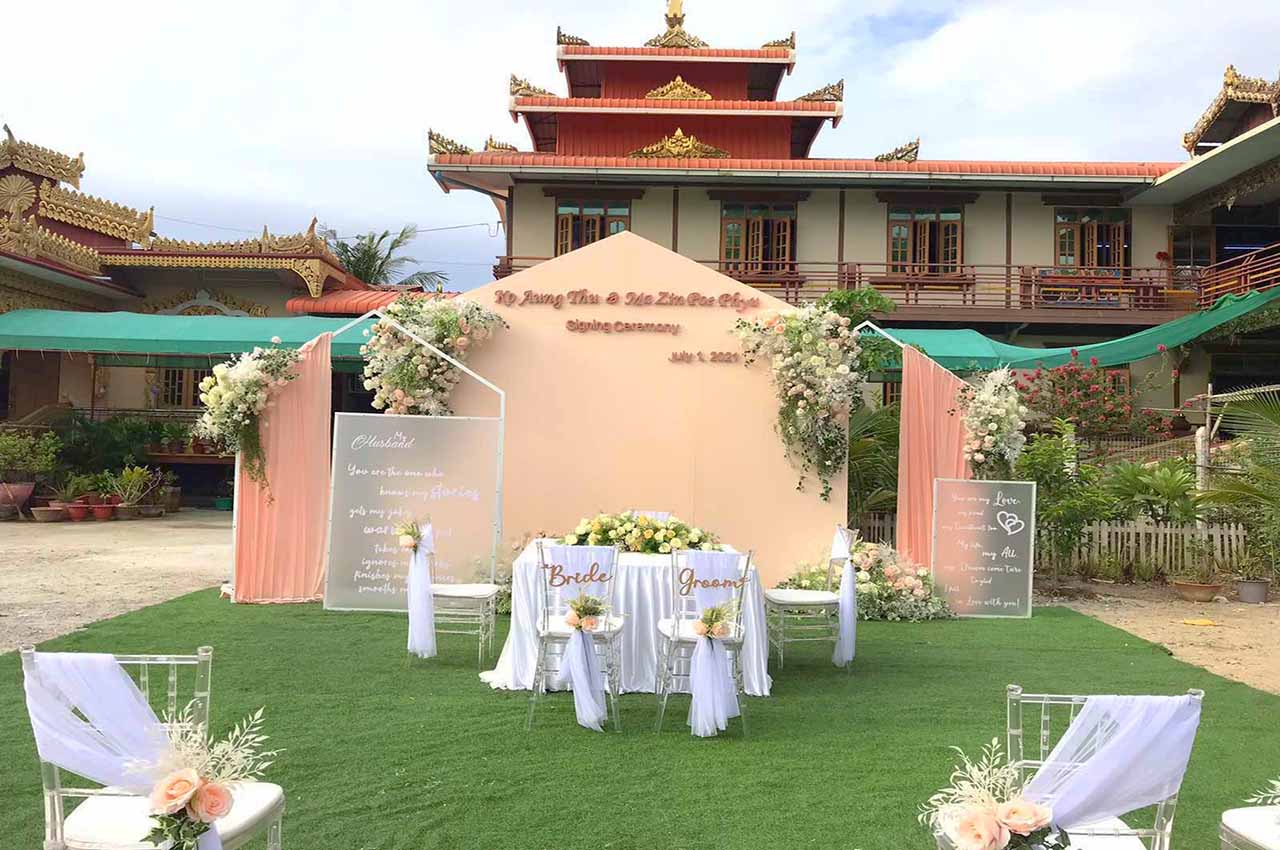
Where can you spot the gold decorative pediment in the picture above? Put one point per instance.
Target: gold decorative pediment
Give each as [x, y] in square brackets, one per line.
[833, 93]
[37, 160]
[22, 292]
[96, 214]
[17, 194]
[1259, 177]
[677, 37]
[521, 87]
[788, 42]
[1237, 89]
[27, 239]
[679, 146]
[312, 271]
[202, 302]
[678, 89]
[438, 144]
[492, 144]
[564, 38]
[909, 152]
[309, 242]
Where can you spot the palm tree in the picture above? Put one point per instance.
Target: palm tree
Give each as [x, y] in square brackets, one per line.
[873, 461]
[372, 257]
[1255, 418]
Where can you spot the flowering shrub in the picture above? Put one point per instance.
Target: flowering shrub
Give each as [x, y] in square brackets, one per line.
[1086, 395]
[234, 397]
[407, 378]
[993, 424]
[815, 361]
[890, 587]
[638, 533]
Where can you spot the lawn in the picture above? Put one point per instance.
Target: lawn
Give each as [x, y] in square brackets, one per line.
[383, 753]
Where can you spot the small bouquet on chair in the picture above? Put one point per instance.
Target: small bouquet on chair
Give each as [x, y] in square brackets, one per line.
[196, 790]
[984, 809]
[586, 613]
[410, 534]
[711, 682]
[714, 622]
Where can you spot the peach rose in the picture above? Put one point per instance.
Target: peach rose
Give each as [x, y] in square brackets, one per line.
[980, 829]
[211, 801]
[571, 619]
[720, 630]
[699, 628]
[172, 793]
[1023, 817]
[407, 542]
[589, 624]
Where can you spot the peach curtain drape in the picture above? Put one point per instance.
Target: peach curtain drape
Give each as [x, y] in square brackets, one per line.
[280, 533]
[930, 445]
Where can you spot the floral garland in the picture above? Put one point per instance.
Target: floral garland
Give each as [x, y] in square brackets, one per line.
[994, 420]
[234, 397]
[638, 533]
[815, 361]
[407, 378]
[890, 587]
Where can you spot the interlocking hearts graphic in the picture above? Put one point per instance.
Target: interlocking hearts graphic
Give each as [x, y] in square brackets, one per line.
[1010, 523]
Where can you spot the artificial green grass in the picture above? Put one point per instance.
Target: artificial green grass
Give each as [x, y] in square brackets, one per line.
[384, 753]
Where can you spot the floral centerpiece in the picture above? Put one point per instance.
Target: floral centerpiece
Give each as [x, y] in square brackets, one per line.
[994, 419]
[984, 808]
[234, 397]
[585, 613]
[890, 586]
[409, 534]
[196, 791]
[406, 377]
[714, 622]
[815, 360]
[635, 532]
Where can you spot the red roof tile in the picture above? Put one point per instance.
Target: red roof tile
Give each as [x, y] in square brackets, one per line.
[352, 302]
[924, 166]
[656, 104]
[571, 50]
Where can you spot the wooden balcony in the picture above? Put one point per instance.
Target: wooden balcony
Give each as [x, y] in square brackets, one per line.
[1257, 270]
[973, 292]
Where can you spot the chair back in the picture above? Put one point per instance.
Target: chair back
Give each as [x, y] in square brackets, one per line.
[702, 579]
[841, 543]
[1035, 723]
[567, 572]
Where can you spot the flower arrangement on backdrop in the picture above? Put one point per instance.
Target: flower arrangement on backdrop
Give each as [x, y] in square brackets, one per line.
[235, 396]
[994, 420]
[1091, 397]
[196, 792]
[890, 586]
[815, 359]
[635, 532]
[407, 378]
[984, 809]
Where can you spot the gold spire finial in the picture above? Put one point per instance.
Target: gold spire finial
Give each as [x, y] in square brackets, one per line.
[675, 13]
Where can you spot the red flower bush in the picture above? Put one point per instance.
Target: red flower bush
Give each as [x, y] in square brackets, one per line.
[1086, 396]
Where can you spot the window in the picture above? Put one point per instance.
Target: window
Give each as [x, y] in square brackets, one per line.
[580, 223]
[1090, 237]
[891, 393]
[926, 240]
[180, 388]
[1119, 380]
[757, 238]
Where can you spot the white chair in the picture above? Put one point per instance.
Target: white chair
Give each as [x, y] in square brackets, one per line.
[1035, 724]
[468, 609]
[114, 819]
[801, 616]
[560, 585]
[1251, 828]
[676, 635]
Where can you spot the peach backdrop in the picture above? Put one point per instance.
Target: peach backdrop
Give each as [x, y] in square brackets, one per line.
[605, 422]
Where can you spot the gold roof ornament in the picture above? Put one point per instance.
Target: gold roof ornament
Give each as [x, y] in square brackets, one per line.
[679, 146]
[833, 93]
[563, 38]
[521, 87]
[678, 89]
[492, 144]
[909, 152]
[789, 42]
[307, 243]
[17, 194]
[96, 214]
[26, 238]
[1237, 89]
[675, 36]
[438, 144]
[37, 160]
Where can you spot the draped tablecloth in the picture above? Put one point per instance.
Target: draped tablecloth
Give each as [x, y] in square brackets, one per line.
[642, 597]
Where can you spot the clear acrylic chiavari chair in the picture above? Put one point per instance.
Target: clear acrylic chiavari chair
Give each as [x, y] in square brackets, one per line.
[466, 609]
[803, 616]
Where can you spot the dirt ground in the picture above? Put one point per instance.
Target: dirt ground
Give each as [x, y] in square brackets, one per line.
[58, 577]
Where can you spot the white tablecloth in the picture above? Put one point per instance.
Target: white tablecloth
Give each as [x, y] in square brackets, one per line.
[642, 597]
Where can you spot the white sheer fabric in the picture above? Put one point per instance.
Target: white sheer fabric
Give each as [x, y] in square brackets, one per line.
[590, 571]
[846, 642]
[581, 670]
[642, 596]
[715, 579]
[1121, 753]
[89, 718]
[422, 606]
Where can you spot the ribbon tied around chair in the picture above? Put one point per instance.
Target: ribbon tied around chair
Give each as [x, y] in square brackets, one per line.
[581, 670]
[422, 608]
[715, 697]
[846, 642]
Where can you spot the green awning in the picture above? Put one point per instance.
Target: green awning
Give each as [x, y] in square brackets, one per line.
[968, 350]
[141, 339]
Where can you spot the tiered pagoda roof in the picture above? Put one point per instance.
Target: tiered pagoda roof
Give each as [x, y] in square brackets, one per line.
[1242, 104]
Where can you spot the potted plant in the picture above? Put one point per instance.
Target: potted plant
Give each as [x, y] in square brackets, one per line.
[225, 499]
[1253, 578]
[177, 436]
[48, 513]
[24, 458]
[131, 488]
[151, 505]
[1195, 581]
[171, 492]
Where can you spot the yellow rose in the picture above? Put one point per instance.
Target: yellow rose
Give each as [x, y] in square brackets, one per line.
[648, 533]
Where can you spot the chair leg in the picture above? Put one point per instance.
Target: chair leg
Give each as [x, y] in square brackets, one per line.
[782, 637]
[742, 691]
[666, 680]
[537, 686]
[274, 831]
[615, 683]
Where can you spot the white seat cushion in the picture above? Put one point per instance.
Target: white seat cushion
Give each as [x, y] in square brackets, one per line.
[464, 591]
[1258, 825]
[687, 635]
[800, 598]
[1079, 841]
[559, 628]
[122, 823]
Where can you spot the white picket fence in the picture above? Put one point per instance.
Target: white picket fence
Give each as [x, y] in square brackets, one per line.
[1155, 547]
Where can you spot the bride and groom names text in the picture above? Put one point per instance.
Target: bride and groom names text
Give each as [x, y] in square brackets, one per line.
[688, 581]
[558, 576]
[586, 298]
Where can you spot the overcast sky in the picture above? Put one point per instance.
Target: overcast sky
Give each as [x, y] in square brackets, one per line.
[227, 116]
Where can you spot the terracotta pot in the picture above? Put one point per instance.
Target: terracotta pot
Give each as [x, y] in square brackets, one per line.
[113, 500]
[102, 513]
[1253, 590]
[150, 511]
[177, 447]
[7, 512]
[172, 499]
[199, 448]
[77, 511]
[127, 511]
[57, 503]
[1196, 592]
[49, 514]
[91, 499]
[17, 493]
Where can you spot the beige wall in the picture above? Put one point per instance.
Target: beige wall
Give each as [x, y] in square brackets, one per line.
[699, 225]
[865, 220]
[651, 215]
[1150, 234]
[1032, 230]
[818, 227]
[533, 228]
[984, 230]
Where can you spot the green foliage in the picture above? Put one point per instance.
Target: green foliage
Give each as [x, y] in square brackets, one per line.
[108, 443]
[72, 487]
[133, 484]
[1163, 492]
[856, 305]
[873, 461]
[24, 456]
[1085, 395]
[375, 258]
[1255, 488]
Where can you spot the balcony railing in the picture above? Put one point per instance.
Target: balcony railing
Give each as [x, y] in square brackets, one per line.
[1250, 272]
[935, 288]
